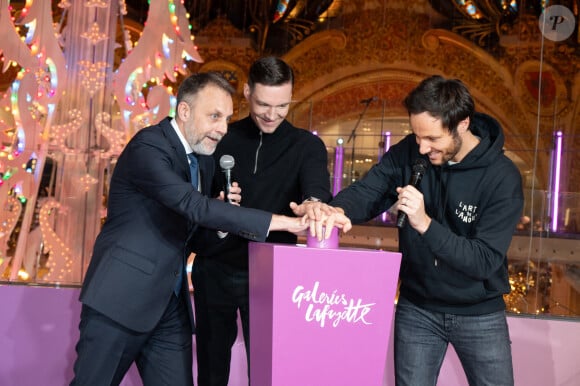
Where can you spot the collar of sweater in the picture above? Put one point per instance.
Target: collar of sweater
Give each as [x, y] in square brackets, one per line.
[281, 131]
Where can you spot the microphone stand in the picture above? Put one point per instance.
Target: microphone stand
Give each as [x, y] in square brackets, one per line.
[353, 137]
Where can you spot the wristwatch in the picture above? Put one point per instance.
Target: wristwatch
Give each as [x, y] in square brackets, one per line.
[312, 199]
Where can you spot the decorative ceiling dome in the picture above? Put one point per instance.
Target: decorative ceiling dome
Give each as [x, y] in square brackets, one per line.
[488, 22]
[274, 25]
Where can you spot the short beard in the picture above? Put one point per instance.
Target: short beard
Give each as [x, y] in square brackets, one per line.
[198, 148]
[457, 143]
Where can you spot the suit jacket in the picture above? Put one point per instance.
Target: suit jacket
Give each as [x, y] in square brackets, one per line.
[153, 213]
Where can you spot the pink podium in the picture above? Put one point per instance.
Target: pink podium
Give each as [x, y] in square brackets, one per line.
[320, 316]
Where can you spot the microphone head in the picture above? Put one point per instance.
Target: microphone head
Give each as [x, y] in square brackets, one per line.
[227, 162]
[420, 166]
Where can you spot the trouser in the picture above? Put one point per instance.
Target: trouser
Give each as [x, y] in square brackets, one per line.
[163, 356]
[219, 291]
[481, 342]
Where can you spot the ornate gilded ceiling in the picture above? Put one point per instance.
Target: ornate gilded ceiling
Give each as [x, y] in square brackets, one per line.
[384, 48]
[347, 51]
[274, 26]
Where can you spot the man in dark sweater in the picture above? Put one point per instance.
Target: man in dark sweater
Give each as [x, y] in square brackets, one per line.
[275, 164]
[460, 222]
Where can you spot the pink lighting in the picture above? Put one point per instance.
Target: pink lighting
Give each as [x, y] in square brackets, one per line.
[384, 217]
[387, 141]
[557, 159]
[338, 166]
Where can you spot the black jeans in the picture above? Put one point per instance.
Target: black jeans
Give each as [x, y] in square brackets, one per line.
[219, 291]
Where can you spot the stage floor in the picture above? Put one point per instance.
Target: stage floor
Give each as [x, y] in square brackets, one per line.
[39, 328]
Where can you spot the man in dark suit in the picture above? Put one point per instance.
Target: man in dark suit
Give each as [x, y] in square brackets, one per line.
[136, 305]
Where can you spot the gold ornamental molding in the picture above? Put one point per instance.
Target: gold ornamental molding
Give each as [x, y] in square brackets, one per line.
[231, 71]
[574, 128]
[338, 97]
[332, 39]
[540, 89]
[576, 109]
[434, 40]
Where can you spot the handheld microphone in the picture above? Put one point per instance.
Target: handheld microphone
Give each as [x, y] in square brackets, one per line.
[227, 163]
[419, 169]
[369, 100]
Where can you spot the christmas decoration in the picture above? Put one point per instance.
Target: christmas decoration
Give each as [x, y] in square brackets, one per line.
[70, 109]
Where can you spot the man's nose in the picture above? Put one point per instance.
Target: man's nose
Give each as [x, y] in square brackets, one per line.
[424, 147]
[271, 113]
[223, 128]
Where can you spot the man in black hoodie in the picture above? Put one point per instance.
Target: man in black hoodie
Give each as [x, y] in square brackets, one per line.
[274, 163]
[460, 221]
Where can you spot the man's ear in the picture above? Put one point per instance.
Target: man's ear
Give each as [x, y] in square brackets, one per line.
[183, 111]
[247, 91]
[463, 126]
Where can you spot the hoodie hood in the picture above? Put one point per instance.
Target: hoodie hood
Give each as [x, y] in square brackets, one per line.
[490, 146]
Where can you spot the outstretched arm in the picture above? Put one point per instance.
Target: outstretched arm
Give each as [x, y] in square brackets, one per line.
[290, 224]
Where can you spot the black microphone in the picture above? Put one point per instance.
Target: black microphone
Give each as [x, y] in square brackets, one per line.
[419, 169]
[369, 100]
[227, 163]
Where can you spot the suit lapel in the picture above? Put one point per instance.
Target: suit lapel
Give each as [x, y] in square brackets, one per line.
[177, 146]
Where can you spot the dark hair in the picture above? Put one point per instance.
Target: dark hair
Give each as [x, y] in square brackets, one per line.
[270, 71]
[446, 99]
[197, 82]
